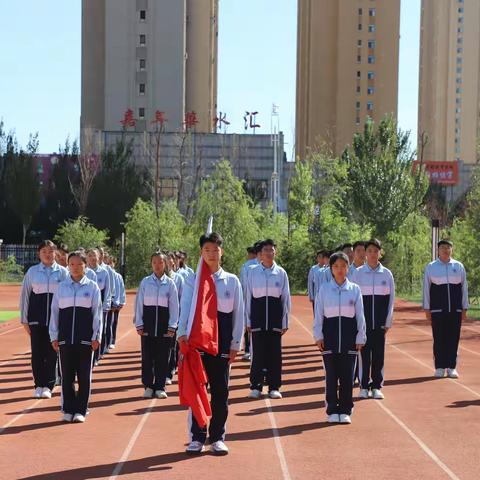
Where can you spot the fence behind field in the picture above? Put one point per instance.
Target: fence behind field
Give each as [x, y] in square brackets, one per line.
[25, 256]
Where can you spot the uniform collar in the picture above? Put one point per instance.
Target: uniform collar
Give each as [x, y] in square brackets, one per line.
[219, 274]
[445, 263]
[53, 267]
[162, 279]
[273, 269]
[345, 285]
[380, 268]
[82, 281]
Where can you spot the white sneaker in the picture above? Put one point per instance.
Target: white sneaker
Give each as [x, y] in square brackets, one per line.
[148, 393]
[377, 394]
[344, 418]
[256, 394]
[195, 448]
[439, 372]
[452, 373]
[67, 417]
[275, 394]
[168, 381]
[161, 394]
[111, 346]
[46, 393]
[333, 418]
[38, 392]
[219, 448]
[246, 357]
[364, 393]
[78, 418]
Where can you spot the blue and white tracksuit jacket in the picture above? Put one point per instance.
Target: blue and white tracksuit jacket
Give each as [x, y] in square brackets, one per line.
[39, 285]
[339, 319]
[229, 307]
[268, 301]
[156, 306]
[103, 282]
[445, 287]
[76, 313]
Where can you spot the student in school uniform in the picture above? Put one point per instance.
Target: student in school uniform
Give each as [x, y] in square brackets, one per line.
[39, 285]
[230, 322]
[323, 274]
[359, 257]
[268, 305]
[445, 301]
[75, 330]
[378, 294]
[103, 282]
[118, 302]
[347, 249]
[156, 320]
[339, 331]
[183, 268]
[311, 276]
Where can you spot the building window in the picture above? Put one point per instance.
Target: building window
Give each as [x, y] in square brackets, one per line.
[371, 12]
[459, 60]
[359, 27]
[168, 188]
[371, 75]
[357, 105]
[143, 64]
[370, 91]
[460, 40]
[459, 69]
[359, 59]
[460, 9]
[359, 74]
[460, 19]
[358, 88]
[457, 149]
[359, 43]
[357, 120]
[459, 90]
[141, 112]
[459, 79]
[360, 11]
[143, 39]
[371, 28]
[371, 59]
[458, 101]
[460, 50]
[369, 106]
[458, 110]
[460, 30]
[141, 89]
[371, 44]
[143, 15]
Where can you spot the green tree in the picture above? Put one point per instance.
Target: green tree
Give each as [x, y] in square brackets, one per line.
[383, 189]
[22, 191]
[116, 188]
[79, 233]
[222, 196]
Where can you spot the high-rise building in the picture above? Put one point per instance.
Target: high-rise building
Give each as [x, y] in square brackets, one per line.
[448, 115]
[148, 56]
[347, 69]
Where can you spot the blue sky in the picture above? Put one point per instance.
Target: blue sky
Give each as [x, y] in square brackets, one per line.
[40, 66]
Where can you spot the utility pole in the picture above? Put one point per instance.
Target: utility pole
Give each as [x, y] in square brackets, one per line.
[275, 141]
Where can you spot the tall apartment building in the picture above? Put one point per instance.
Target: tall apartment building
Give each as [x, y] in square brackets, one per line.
[149, 55]
[347, 69]
[448, 115]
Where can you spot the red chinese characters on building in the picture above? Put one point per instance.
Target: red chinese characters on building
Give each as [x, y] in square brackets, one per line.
[190, 120]
[128, 119]
[160, 119]
[444, 173]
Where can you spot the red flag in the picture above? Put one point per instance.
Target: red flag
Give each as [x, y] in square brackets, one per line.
[192, 378]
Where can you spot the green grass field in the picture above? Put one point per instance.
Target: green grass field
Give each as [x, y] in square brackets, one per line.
[5, 316]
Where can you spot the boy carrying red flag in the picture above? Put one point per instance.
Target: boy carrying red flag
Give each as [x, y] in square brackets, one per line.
[209, 333]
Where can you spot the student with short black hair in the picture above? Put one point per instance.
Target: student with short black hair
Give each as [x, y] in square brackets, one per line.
[229, 325]
[268, 305]
[75, 330]
[347, 249]
[359, 257]
[445, 301]
[378, 292]
[339, 331]
[38, 287]
[156, 320]
[311, 276]
[61, 255]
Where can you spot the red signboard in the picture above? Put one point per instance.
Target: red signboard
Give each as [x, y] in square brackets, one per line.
[445, 173]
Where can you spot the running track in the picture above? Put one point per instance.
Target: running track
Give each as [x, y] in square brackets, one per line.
[425, 428]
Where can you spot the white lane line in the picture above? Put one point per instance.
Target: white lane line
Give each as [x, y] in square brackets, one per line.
[430, 368]
[430, 335]
[12, 330]
[304, 327]
[421, 444]
[20, 415]
[131, 443]
[278, 443]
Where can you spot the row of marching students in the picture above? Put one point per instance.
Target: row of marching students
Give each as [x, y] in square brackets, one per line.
[69, 307]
